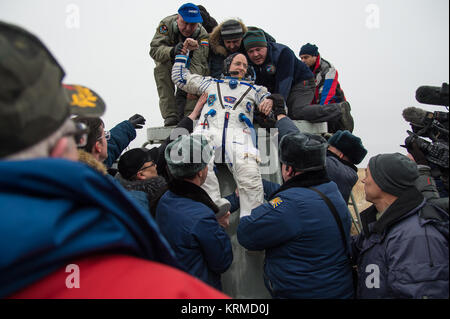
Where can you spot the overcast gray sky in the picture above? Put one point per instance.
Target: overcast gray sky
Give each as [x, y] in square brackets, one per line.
[383, 50]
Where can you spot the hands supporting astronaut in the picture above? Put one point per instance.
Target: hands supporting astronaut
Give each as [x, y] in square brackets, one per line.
[198, 107]
[189, 45]
[224, 221]
[279, 106]
[265, 106]
[184, 47]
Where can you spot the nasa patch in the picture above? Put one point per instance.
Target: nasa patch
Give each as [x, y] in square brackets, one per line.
[229, 99]
[163, 29]
[211, 99]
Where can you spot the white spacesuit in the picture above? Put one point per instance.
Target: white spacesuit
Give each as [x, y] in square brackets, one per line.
[226, 121]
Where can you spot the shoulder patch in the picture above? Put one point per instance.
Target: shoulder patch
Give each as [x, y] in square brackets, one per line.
[276, 202]
[163, 29]
[211, 99]
[204, 42]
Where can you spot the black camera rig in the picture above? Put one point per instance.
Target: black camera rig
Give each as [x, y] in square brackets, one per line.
[431, 125]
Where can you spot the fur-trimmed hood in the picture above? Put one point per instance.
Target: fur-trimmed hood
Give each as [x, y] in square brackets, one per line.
[215, 39]
[152, 186]
[91, 161]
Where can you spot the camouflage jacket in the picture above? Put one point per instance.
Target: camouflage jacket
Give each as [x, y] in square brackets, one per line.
[167, 36]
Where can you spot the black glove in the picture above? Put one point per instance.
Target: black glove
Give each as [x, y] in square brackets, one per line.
[278, 104]
[137, 121]
[416, 152]
[176, 50]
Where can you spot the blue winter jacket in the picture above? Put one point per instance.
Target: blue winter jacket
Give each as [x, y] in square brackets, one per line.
[121, 136]
[305, 256]
[405, 253]
[343, 173]
[200, 243]
[53, 211]
[281, 70]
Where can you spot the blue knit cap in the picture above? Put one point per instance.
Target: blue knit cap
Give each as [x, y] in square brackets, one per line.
[310, 49]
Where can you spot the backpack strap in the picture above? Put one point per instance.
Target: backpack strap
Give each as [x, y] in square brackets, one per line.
[336, 217]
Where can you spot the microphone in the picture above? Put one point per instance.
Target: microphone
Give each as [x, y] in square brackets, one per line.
[417, 116]
[433, 95]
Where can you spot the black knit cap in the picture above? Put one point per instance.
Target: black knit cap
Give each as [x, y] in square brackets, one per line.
[131, 161]
[231, 29]
[309, 49]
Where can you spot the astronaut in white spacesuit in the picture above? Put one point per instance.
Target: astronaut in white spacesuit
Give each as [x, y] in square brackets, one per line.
[227, 123]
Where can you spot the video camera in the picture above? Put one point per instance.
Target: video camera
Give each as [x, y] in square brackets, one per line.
[432, 125]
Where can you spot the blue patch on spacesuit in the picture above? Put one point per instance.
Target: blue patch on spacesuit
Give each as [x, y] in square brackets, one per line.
[211, 99]
[248, 107]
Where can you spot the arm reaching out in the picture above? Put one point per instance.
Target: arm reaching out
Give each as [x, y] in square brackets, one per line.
[198, 107]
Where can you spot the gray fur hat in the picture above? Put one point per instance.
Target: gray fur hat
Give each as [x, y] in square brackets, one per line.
[303, 151]
[187, 155]
[393, 173]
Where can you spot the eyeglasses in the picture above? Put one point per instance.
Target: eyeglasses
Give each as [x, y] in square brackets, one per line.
[80, 134]
[151, 165]
[106, 134]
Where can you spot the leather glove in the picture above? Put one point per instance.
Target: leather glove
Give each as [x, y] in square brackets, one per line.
[176, 50]
[278, 104]
[137, 121]
[416, 152]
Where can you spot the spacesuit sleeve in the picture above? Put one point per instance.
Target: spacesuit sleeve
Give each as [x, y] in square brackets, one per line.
[261, 93]
[185, 80]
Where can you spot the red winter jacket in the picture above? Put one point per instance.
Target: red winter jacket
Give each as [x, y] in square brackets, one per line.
[119, 277]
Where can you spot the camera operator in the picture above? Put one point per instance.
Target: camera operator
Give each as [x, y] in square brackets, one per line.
[434, 126]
